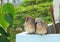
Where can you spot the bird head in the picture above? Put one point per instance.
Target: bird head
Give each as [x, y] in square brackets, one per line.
[29, 19]
[37, 20]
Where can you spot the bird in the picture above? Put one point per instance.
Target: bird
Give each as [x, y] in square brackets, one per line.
[41, 26]
[29, 25]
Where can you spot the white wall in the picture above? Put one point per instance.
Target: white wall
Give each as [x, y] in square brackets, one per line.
[4, 1]
[10, 1]
[56, 9]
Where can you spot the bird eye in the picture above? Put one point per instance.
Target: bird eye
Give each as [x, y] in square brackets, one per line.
[26, 19]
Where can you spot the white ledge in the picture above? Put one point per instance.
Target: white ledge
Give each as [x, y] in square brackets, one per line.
[24, 37]
[51, 23]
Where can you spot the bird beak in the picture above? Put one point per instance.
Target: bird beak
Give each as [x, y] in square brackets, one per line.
[35, 22]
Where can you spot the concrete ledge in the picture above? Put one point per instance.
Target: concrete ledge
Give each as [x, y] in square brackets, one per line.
[24, 37]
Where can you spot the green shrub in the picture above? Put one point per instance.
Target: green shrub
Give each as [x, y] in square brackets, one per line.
[3, 35]
[8, 8]
[40, 10]
[9, 12]
[6, 20]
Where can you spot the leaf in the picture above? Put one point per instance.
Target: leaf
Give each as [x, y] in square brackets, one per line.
[3, 32]
[8, 8]
[3, 22]
[9, 18]
[4, 39]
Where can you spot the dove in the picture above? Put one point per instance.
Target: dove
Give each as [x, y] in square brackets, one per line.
[41, 26]
[29, 24]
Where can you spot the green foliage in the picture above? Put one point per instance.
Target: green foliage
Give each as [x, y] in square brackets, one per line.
[6, 19]
[6, 15]
[3, 22]
[3, 32]
[8, 8]
[30, 8]
[4, 39]
[3, 35]
[9, 19]
[29, 2]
